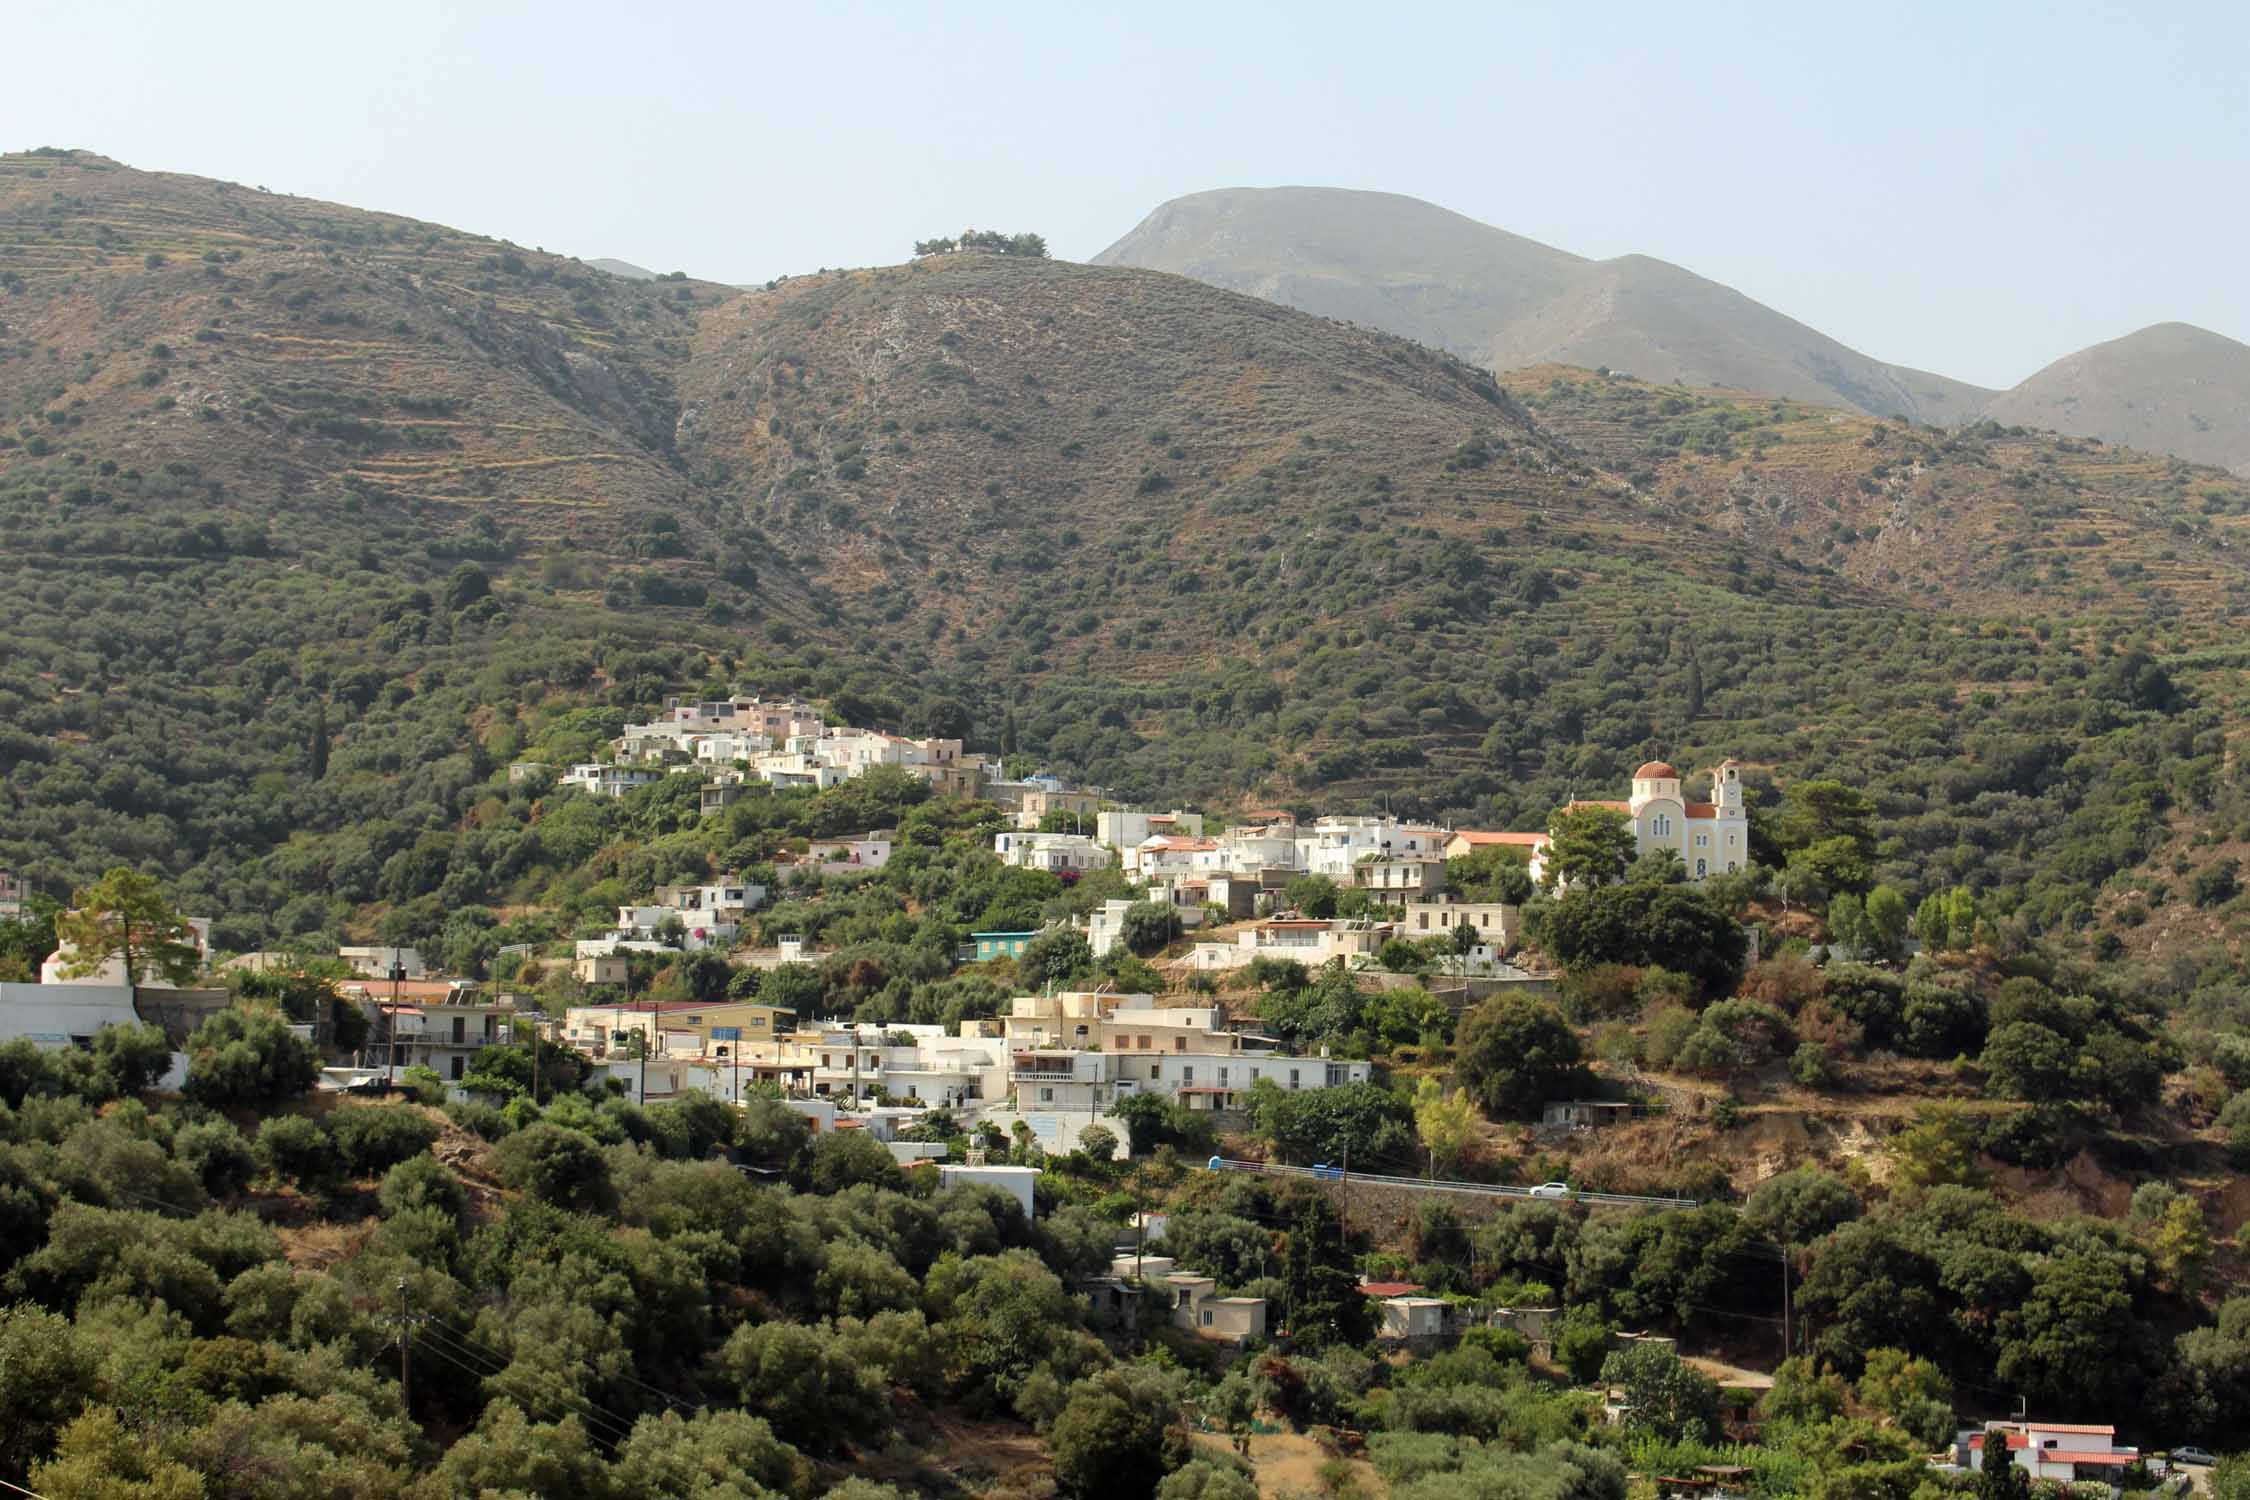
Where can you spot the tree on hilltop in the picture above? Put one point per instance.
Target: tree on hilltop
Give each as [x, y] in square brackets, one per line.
[991, 241]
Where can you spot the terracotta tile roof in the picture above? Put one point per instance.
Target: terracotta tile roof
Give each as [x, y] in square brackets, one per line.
[1703, 809]
[1390, 1288]
[1478, 836]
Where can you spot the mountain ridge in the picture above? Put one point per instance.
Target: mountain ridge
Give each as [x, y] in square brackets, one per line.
[1508, 302]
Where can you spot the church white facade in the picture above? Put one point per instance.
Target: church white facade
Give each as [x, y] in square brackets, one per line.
[1711, 838]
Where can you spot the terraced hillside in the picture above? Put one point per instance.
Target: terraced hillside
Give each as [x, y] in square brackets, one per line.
[329, 513]
[1965, 516]
[296, 349]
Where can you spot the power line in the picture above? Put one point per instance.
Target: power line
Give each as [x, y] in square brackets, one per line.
[592, 1409]
[551, 1405]
[656, 1391]
[549, 1408]
[19, 1489]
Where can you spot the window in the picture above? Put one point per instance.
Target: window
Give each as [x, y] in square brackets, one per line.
[1702, 868]
[1179, 1044]
[1187, 1075]
[1702, 840]
[1046, 1096]
[1207, 1317]
[1293, 1078]
[1661, 825]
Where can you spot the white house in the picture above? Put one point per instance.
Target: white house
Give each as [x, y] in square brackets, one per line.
[1062, 1079]
[1123, 829]
[1051, 851]
[1221, 1080]
[1311, 940]
[728, 899]
[698, 929]
[1250, 849]
[2058, 1450]
[598, 779]
[1334, 845]
[444, 1034]
[787, 769]
[1168, 854]
[726, 749]
[1016, 1182]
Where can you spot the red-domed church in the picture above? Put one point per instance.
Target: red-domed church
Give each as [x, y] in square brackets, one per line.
[1711, 838]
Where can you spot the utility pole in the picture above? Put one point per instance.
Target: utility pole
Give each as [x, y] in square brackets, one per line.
[1344, 1204]
[390, 1039]
[1785, 1340]
[406, 1321]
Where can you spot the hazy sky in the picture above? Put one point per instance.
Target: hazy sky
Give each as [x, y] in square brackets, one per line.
[1972, 188]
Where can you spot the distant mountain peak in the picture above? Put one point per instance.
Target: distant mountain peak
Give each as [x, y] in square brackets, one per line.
[2170, 387]
[1508, 302]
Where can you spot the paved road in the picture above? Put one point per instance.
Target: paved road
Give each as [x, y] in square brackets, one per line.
[1427, 1185]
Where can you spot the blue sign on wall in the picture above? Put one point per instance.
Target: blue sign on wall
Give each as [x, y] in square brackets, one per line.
[726, 1033]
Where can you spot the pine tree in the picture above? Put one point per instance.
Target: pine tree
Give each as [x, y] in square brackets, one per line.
[124, 916]
[318, 744]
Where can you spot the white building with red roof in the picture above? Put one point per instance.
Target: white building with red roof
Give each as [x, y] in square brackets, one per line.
[2070, 1452]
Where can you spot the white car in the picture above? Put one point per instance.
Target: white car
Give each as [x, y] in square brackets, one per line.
[1551, 1190]
[2200, 1457]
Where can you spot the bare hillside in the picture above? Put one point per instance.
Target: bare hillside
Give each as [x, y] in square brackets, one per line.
[2171, 388]
[1500, 300]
